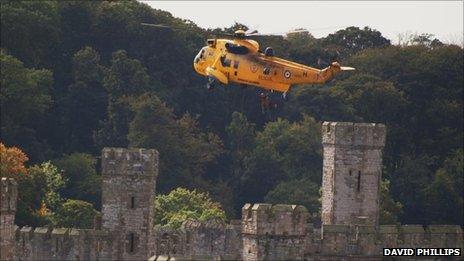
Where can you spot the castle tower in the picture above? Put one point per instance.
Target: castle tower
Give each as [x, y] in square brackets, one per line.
[352, 170]
[273, 232]
[128, 190]
[9, 194]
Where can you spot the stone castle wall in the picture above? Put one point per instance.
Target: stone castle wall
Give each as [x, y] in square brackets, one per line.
[44, 243]
[369, 241]
[350, 205]
[128, 191]
[352, 170]
[9, 193]
[197, 240]
[273, 232]
[280, 232]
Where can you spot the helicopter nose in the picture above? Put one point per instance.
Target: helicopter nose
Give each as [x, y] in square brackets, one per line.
[195, 66]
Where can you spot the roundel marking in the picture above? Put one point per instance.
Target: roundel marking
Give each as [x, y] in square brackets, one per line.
[254, 67]
[287, 74]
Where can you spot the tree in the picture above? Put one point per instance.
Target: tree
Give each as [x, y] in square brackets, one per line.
[75, 214]
[446, 193]
[85, 102]
[182, 204]
[353, 39]
[125, 79]
[12, 161]
[25, 100]
[390, 210]
[126, 76]
[30, 31]
[283, 151]
[83, 182]
[38, 194]
[185, 151]
[408, 186]
[241, 138]
[299, 192]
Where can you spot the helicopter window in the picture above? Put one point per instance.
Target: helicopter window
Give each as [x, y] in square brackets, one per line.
[225, 62]
[236, 49]
[236, 64]
[200, 55]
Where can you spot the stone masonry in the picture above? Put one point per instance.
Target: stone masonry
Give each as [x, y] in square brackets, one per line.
[129, 181]
[273, 232]
[352, 169]
[350, 211]
[9, 193]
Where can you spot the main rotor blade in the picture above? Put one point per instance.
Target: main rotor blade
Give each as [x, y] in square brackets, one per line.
[159, 26]
[249, 32]
[223, 34]
[346, 68]
[297, 31]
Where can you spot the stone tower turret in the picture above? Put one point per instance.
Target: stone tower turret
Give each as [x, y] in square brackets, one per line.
[8, 196]
[273, 232]
[129, 180]
[352, 171]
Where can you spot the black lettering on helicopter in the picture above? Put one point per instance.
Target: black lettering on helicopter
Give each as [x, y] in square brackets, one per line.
[243, 80]
[305, 74]
[264, 77]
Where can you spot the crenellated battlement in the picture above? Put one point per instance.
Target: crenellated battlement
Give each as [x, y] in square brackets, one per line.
[350, 204]
[9, 194]
[48, 243]
[133, 161]
[353, 134]
[361, 240]
[267, 219]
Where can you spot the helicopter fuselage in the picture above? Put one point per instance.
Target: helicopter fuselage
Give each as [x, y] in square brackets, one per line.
[240, 61]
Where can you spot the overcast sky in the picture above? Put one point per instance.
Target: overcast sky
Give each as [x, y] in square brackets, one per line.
[444, 19]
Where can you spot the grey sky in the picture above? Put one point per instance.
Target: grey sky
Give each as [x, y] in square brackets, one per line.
[444, 19]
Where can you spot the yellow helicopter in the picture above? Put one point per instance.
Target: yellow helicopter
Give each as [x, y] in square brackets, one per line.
[240, 60]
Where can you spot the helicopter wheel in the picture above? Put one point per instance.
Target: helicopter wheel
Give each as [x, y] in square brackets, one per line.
[211, 83]
[285, 96]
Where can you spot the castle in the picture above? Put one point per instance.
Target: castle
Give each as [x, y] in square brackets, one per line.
[350, 229]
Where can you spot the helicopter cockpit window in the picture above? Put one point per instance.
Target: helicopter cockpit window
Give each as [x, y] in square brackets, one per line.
[236, 49]
[225, 62]
[201, 55]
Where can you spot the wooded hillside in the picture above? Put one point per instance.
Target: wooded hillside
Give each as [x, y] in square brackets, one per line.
[79, 76]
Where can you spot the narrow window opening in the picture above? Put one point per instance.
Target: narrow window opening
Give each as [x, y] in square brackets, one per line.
[56, 244]
[359, 180]
[131, 242]
[132, 203]
[350, 172]
[236, 63]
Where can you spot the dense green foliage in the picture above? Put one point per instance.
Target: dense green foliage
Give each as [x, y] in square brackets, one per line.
[75, 213]
[78, 76]
[83, 182]
[183, 204]
[38, 194]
